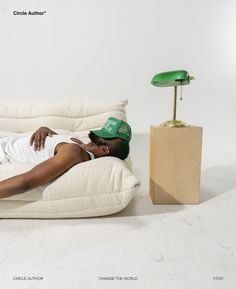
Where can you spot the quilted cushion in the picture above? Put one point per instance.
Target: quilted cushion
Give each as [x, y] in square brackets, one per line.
[94, 188]
[77, 116]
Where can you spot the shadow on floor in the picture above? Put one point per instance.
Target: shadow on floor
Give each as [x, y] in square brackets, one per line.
[216, 181]
[141, 205]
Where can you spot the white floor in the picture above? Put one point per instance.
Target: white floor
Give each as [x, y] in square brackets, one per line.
[142, 247]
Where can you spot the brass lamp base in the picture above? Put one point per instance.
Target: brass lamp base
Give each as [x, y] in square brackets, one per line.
[174, 123]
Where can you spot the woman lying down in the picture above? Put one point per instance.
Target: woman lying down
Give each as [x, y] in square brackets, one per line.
[56, 154]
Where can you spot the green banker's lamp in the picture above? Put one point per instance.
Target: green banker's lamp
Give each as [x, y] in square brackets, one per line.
[172, 78]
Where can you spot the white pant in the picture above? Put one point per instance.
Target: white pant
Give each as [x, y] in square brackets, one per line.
[3, 156]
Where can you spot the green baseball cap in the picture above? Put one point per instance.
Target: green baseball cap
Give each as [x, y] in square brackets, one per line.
[113, 128]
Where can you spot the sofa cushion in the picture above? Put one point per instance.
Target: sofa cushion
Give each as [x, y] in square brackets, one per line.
[97, 187]
[77, 116]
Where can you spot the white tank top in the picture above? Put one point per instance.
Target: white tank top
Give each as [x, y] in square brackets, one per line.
[18, 149]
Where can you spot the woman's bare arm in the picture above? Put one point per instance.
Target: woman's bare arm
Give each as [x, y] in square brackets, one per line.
[67, 156]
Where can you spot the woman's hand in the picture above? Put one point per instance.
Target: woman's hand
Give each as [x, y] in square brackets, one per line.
[38, 138]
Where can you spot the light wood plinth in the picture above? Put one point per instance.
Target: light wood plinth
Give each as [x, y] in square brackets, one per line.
[175, 164]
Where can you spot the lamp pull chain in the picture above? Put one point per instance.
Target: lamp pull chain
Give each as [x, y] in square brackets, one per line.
[181, 92]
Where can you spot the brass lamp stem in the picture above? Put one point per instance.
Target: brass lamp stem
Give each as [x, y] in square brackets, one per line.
[175, 103]
[174, 122]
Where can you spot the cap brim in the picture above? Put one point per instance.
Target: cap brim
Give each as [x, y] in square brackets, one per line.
[102, 133]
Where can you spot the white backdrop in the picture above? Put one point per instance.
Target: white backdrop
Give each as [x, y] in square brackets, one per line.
[112, 48]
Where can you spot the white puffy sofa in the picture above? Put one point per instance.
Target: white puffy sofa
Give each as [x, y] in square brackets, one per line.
[94, 188]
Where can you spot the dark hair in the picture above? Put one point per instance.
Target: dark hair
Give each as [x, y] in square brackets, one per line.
[118, 147]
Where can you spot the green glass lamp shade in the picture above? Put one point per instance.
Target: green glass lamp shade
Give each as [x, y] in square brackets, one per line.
[171, 78]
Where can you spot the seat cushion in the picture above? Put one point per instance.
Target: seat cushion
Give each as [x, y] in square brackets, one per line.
[93, 188]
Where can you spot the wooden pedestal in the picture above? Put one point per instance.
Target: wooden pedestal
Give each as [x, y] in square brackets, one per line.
[175, 164]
